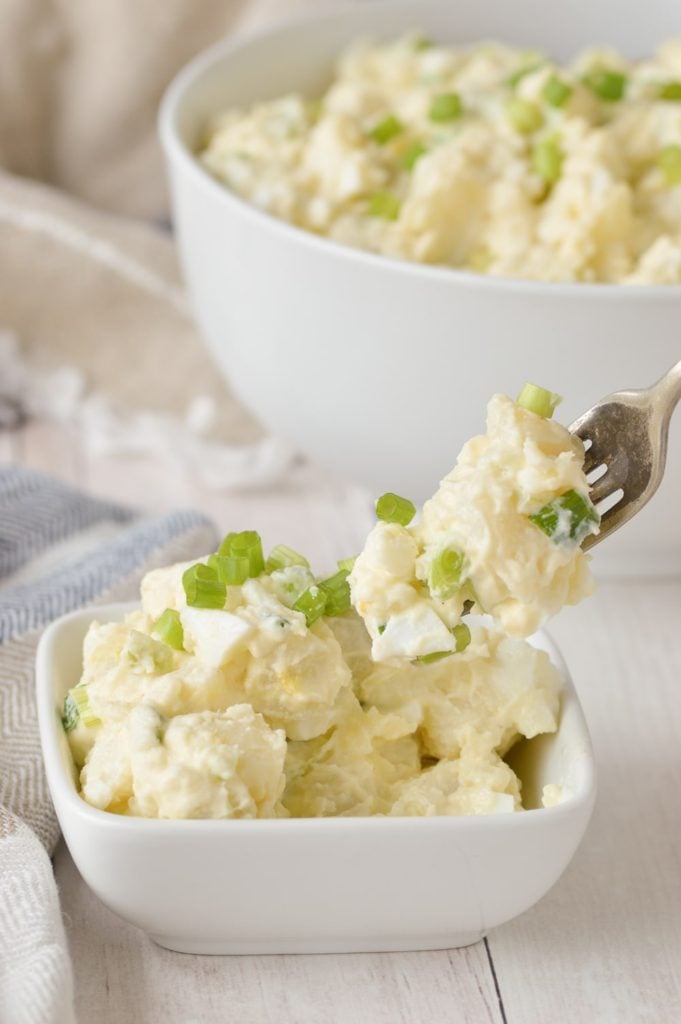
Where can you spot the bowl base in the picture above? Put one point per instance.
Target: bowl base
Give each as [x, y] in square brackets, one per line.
[323, 944]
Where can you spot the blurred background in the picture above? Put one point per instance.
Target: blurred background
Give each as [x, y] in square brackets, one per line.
[104, 380]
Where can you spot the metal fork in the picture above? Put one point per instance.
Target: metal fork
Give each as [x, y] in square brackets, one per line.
[625, 435]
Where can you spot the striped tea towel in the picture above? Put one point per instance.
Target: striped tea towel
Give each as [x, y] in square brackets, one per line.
[59, 550]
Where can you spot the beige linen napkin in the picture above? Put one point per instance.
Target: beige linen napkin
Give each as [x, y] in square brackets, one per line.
[86, 289]
[80, 83]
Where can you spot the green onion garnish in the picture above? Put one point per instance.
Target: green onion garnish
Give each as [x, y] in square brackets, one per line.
[670, 91]
[423, 43]
[337, 590]
[547, 160]
[607, 85]
[556, 92]
[169, 628]
[570, 517]
[412, 154]
[202, 587]
[462, 636]
[312, 603]
[347, 564]
[77, 709]
[538, 400]
[446, 573]
[282, 556]
[525, 116]
[386, 129]
[669, 162]
[231, 569]
[381, 628]
[445, 107]
[385, 205]
[391, 508]
[427, 659]
[246, 544]
[291, 582]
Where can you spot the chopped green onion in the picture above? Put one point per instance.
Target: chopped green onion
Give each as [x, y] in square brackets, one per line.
[347, 564]
[462, 636]
[538, 400]
[427, 659]
[386, 129]
[607, 85]
[290, 582]
[556, 92]
[337, 590]
[169, 627]
[570, 517]
[246, 544]
[423, 43]
[77, 709]
[670, 91]
[669, 162]
[522, 72]
[446, 574]
[385, 205]
[231, 569]
[391, 508]
[412, 154]
[202, 587]
[283, 556]
[312, 603]
[525, 116]
[547, 160]
[381, 629]
[445, 107]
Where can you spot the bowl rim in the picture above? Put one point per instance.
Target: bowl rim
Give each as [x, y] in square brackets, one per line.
[69, 803]
[177, 152]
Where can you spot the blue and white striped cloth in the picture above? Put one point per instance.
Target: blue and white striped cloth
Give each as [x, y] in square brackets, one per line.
[59, 550]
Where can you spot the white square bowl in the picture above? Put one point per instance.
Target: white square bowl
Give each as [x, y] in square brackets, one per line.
[317, 885]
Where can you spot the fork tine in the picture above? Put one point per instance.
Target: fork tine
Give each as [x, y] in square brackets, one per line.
[593, 460]
[603, 487]
[593, 455]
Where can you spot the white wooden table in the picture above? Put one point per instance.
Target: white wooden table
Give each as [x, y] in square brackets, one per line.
[604, 945]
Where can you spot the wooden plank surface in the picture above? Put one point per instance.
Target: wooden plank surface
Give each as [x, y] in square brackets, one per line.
[122, 977]
[604, 945]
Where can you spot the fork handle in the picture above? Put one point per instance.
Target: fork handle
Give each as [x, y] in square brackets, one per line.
[667, 389]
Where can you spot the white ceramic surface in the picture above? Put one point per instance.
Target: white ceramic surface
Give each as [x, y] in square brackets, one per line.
[381, 369]
[342, 884]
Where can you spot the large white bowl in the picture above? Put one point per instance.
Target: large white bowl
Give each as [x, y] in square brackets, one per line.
[381, 368]
[317, 885]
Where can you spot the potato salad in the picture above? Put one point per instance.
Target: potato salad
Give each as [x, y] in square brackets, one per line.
[248, 687]
[485, 158]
